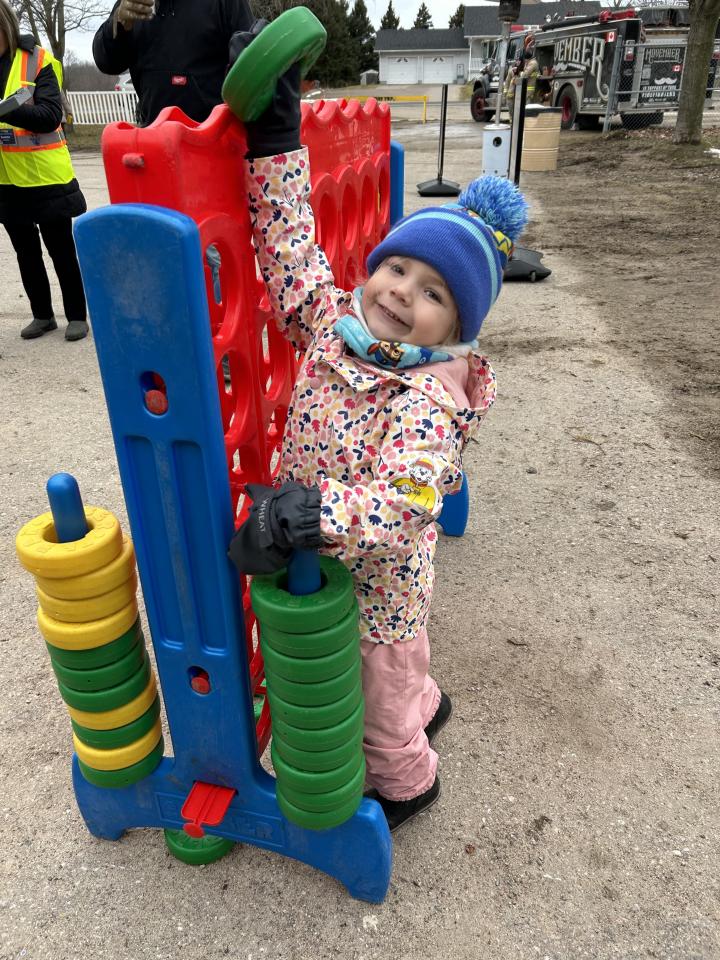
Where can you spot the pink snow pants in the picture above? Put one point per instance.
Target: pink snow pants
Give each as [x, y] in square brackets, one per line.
[400, 700]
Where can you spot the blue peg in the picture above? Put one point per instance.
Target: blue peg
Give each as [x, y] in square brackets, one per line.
[304, 572]
[67, 507]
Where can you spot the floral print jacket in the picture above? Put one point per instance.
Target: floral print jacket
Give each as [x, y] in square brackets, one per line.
[384, 446]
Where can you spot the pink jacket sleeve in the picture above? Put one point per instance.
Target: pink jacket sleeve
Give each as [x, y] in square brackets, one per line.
[299, 281]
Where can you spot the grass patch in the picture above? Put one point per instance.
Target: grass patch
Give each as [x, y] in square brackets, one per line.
[85, 137]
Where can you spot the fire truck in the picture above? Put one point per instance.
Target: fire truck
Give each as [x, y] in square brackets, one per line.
[583, 61]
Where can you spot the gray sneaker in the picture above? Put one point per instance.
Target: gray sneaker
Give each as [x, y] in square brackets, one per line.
[37, 328]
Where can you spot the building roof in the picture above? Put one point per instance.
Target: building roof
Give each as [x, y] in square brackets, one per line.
[483, 21]
[429, 39]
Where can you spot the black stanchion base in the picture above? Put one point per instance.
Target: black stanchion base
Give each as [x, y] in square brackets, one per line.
[438, 188]
[526, 264]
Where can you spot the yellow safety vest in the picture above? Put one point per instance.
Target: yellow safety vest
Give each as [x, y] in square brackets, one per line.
[32, 159]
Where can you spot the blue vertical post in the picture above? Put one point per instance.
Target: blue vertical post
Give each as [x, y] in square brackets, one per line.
[397, 181]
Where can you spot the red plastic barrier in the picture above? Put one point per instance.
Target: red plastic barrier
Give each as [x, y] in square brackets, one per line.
[197, 169]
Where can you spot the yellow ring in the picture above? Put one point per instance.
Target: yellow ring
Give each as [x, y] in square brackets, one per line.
[87, 636]
[120, 716]
[118, 757]
[41, 554]
[96, 582]
[94, 608]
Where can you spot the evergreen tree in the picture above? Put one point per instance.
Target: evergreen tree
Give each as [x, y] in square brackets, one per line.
[363, 35]
[458, 18]
[423, 20]
[390, 20]
[338, 65]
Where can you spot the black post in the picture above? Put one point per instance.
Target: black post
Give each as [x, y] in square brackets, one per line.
[518, 132]
[440, 187]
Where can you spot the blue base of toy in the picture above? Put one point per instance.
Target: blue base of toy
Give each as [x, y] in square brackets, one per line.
[455, 511]
[358, 853]
[143, 273]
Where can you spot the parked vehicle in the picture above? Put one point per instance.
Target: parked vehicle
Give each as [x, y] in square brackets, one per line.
[582, 58]
[125, 83]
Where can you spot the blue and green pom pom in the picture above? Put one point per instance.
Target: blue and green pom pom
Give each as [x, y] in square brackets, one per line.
[498, 203]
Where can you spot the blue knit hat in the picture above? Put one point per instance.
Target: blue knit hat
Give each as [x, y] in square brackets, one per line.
[468, 243]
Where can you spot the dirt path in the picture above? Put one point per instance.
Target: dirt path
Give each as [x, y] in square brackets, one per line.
[575, 626]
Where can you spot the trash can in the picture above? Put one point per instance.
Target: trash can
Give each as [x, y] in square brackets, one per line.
[541, 138]
[496, 149]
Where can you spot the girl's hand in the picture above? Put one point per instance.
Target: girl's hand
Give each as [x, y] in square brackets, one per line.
[277, 130]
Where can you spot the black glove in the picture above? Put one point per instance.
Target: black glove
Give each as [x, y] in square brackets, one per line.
[279, 521]
[277, 130]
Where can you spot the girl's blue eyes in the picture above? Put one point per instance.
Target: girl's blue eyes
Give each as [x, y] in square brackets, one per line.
[396, 268]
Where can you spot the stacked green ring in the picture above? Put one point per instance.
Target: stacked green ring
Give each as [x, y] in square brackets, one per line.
[310, 645]
[104, 676]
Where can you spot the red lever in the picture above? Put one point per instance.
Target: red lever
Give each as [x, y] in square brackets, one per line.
[206, 805]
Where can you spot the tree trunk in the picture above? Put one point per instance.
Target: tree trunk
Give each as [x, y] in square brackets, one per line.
[704, 19]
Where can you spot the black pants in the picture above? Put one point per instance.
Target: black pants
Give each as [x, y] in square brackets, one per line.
[58, 239]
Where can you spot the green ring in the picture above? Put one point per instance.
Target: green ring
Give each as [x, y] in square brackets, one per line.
[98, 701]
[296, 35]
[119, 736]
[319, 643]
[330, 800]
[316, 717]
[306, 781]
[314, 694]
[324, 739]
[276, 608]
[317, 821]
[319, 761]
[197, 850]
[116, 779]
[312, 669]
[96, 656]
[100, 678]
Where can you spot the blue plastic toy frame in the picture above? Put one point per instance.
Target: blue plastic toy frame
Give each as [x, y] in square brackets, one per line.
[143, 274]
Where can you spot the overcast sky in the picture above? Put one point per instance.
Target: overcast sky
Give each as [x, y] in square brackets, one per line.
[81, 42]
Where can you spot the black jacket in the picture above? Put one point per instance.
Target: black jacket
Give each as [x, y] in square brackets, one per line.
[179, 58]
[42, 115]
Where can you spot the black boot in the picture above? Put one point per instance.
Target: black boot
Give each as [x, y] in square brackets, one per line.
[441, 717]
[398, 812]
[37, 328]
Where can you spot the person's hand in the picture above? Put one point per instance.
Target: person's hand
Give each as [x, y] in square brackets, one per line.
[131, 10]
[277, 130]
[279, 521]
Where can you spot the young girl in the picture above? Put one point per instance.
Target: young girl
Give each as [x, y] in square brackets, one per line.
[389, 392]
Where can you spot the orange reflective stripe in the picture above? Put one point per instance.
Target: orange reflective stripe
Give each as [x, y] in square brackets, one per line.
[41, 61]
[24, 57]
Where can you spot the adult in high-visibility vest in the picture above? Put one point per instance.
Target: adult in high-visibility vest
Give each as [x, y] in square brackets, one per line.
[39, 194]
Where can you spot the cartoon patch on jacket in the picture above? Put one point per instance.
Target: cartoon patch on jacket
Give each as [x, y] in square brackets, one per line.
[417, 486]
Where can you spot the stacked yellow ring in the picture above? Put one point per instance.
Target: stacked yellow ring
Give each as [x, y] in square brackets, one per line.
[88, 616]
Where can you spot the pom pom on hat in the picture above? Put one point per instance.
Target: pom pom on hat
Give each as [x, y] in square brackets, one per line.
[498, 203]
[467, 242]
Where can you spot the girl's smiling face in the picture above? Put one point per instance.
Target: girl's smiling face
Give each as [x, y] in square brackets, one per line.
[407, 300]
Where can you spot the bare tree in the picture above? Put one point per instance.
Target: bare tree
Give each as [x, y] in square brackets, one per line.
[704, 15]
[54, 19]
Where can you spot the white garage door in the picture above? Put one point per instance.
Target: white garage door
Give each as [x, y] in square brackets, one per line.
[438, 70]
[402, 70]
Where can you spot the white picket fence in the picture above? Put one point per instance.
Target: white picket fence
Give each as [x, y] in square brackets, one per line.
[102, 106]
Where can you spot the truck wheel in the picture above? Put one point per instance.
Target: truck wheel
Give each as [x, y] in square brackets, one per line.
[477, 106]
[568, 102]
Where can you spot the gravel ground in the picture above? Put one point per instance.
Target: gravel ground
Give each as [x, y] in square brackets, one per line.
[575, 626]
